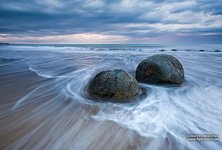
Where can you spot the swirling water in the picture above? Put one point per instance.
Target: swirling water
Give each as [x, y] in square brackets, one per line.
[44, 102]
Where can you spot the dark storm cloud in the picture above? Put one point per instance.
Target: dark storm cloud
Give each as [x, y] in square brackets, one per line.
[133, 18]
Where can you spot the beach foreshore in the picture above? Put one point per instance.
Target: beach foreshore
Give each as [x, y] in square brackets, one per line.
[44, 102]
[29, 121]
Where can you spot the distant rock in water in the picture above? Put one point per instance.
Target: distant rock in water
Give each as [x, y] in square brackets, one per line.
[162, 50]
[217, 50]
[160, 68]
[3, 44]
[114, 84]
[201, 50]
[174, 50]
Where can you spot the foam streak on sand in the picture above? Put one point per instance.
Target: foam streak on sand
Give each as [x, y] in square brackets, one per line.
[44, 102]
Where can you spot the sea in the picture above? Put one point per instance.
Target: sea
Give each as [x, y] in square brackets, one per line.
[44, 103]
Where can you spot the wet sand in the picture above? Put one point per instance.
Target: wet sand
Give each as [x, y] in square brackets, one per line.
[41, 124]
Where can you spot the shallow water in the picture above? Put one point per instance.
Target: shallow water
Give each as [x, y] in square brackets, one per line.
[44, 103]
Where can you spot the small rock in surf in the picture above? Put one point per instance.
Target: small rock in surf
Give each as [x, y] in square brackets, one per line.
[114, 84]
[217, 51]
[160, 68]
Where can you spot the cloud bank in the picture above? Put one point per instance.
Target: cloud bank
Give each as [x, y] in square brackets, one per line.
[126, 21]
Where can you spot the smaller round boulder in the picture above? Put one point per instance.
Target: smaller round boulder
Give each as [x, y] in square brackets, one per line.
[114, 84]
[160, 68]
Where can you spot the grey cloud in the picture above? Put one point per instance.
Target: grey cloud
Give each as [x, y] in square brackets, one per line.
[58, 17]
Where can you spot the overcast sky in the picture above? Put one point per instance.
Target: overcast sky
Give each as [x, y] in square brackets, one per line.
[111, 21]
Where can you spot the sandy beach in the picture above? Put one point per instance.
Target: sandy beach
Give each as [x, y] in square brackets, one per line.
[44, 102]
[18, 125]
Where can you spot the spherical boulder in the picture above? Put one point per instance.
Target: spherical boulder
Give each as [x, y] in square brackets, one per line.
[160, 68]
[114, 84]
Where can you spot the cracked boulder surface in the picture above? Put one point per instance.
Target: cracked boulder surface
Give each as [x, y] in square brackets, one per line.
[160, 68]
[114, 84]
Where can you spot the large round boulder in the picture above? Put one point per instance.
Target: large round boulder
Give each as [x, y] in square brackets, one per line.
[114, 84]
[160, 68]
